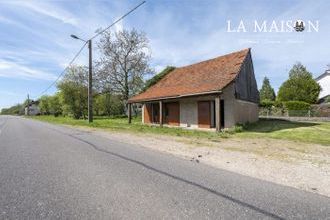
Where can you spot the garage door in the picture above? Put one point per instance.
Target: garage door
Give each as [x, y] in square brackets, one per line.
[204, 114]
[172, 113]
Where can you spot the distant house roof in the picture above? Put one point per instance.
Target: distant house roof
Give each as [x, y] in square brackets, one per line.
[326, 73]
[32, 103]
[200, 78]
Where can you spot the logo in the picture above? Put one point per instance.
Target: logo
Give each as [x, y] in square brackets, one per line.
[299, 26]
[273, 26]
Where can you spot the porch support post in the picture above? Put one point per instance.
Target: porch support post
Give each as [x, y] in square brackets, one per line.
[143, 109]
[217, 114]
[160, 113]
[129, 113]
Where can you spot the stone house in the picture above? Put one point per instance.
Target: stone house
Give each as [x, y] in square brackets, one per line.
[212, 94]
[32, 108]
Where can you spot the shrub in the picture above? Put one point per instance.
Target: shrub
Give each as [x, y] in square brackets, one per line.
[297, 105]
[238, 128]
[278, 104]
[267, 104]
[297, 108]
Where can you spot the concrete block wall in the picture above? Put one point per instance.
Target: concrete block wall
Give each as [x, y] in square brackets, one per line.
[188, 113]
[238, 111]
[246, 112]
[228, 96]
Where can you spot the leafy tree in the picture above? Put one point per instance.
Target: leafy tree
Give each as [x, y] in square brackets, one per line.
[300, 86]
[108, 105]
[267, 93]
[44, 105]
[55, 105]
[299, 71]
[97, 105]
[73, 88]
[125, 57]
[13, 110]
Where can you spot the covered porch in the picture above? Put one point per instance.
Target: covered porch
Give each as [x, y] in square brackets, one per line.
[193, 112]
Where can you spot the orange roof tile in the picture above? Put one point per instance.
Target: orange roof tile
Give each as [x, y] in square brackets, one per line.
[207, 76]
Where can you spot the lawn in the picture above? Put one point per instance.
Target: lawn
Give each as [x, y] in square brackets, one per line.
[310, 132]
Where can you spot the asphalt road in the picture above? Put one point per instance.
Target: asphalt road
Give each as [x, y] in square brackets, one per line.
[53, 172]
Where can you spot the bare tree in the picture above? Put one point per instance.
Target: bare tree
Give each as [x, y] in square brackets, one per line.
[124, 62]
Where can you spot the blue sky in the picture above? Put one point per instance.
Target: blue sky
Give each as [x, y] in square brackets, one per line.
[35, 43]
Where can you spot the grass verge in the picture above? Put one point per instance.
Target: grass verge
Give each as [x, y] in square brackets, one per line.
[121, 124]
[308, 132]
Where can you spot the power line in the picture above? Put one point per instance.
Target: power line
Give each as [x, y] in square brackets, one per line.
[119, 19]
[61, 74]
[75, 57]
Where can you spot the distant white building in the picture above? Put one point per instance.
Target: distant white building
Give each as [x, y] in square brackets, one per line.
[324, 81]
[32, 109]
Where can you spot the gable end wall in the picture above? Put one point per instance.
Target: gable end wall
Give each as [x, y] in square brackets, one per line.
[238, 111]
[246, 88]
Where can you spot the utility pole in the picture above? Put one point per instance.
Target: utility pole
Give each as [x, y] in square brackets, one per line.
[90, 85]
[90, 78]
[28, 105]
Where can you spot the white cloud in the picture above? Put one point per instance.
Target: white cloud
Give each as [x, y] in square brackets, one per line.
[19, 71]
[196, 33]
[46, 8]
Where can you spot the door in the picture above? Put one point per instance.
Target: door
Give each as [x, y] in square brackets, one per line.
[204, 114]
[147, 113]
[172, 113]
[155, 113]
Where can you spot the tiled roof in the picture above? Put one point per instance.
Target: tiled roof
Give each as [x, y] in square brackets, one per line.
[207, 76]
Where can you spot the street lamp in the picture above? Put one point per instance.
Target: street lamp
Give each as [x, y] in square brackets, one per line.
[77, 38]
[90, 78]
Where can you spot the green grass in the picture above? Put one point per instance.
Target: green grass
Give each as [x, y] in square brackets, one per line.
[310, 132]
[121, 124]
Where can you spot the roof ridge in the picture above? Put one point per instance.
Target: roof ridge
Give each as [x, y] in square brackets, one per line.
[326, 73]
[208, 75]
[215, 58]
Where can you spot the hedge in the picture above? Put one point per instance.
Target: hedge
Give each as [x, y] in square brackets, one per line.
[293, 108]
[297, 105]
[266, 104]
[297, 108]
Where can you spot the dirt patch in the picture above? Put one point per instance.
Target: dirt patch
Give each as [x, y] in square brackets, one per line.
[300, 165]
